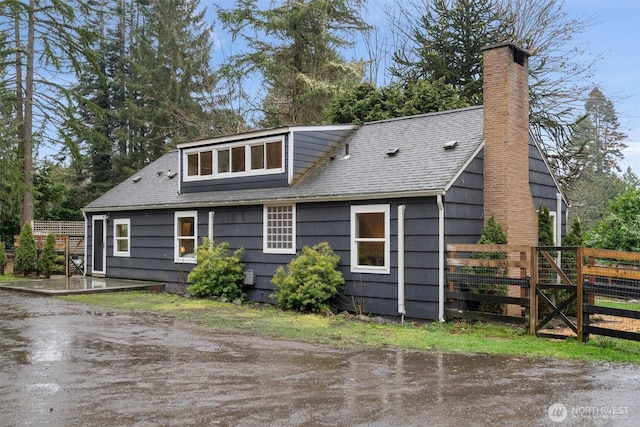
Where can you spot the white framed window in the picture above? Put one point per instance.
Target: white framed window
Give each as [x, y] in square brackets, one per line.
[186, 236]
[258, 157]
[279, 234]
[370, 239]
[198, 163]
[122, 237]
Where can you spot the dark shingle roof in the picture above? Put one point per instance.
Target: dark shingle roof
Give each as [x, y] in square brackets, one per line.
[421, 166]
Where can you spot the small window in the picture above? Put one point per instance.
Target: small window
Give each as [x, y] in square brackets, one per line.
[370, 249]
[200, 163]
[274, 155]
[257, 157]
[280, 229]
[121, 237]
[186, 236]
[223, 161]
[237, 159]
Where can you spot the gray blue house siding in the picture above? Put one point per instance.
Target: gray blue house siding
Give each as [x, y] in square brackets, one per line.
[329, 221]
[152, 251]
[311, 146]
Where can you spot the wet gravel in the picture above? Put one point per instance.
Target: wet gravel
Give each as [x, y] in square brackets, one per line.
[65, 364]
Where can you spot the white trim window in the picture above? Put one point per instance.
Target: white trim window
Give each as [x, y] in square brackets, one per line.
[258, 157]
[186, 236]
[198, 163]
[279, 229]
[122, 237]
[370, 239]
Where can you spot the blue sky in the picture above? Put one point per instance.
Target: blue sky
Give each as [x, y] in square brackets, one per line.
[616, 36]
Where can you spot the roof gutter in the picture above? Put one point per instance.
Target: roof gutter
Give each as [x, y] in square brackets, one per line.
[213, 203]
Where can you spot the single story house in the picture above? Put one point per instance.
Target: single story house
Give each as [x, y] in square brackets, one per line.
[387, 196]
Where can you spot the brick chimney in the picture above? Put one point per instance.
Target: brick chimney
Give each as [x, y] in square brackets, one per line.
[507, 195]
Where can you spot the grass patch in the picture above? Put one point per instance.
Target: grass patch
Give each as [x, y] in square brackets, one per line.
[612, 303]
[344, 331]
[4, 278]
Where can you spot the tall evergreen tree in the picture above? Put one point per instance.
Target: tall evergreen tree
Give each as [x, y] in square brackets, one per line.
[47, 41]
[596, 182]
[295, 48]
[446, 43]
[151, 88]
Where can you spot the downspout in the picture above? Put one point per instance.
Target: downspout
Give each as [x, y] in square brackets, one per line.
[440, 258]
[558, 241]
[86, 233]
[401, 307]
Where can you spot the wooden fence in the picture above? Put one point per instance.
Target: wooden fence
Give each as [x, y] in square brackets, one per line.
[558, 286]
[488, 282]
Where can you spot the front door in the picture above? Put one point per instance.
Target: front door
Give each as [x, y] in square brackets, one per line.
[99, 245]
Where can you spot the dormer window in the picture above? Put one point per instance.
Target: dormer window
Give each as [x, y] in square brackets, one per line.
[259, 157]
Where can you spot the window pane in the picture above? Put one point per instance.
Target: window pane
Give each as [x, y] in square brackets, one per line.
[122, 245]
[187, 247]
[257, 157]
[206, 163]
[371, 253]
[185, 226]
[237, 159]
[280, 227]
[122, 230]
[223, 161]
[274, 155]
[192, 164]
[371, 225]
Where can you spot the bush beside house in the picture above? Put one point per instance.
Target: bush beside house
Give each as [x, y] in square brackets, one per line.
[312, 281]
[219, 273]
[3, 258]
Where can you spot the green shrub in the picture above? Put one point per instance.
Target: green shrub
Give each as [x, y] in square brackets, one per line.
[3, 258]
[218, 273]
[26, 252]
[312, 281]
[48, 256]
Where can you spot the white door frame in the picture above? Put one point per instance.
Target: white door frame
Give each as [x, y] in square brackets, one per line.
[94, 219]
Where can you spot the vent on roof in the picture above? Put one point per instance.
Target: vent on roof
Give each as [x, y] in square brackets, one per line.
[392, 152]
[171, 174]
[136, 178]
[450, 145]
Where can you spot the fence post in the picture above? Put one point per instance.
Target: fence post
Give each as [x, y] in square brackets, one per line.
[66, 256]
[533, 299]
[580, 295]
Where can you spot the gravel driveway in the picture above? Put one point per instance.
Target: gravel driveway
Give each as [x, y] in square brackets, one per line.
[65, 364]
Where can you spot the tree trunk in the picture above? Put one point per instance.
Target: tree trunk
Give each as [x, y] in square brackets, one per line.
[26, 213]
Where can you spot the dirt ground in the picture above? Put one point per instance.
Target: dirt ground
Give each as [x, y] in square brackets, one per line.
[64, 364]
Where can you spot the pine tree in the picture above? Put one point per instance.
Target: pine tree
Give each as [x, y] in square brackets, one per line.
[446, 44]
[26, 252]
[48, 256]
[596, 183]
[296, 52]
[48, 43]
[545, 227]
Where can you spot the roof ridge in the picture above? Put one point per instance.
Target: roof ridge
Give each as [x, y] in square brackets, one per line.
[433, 113]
